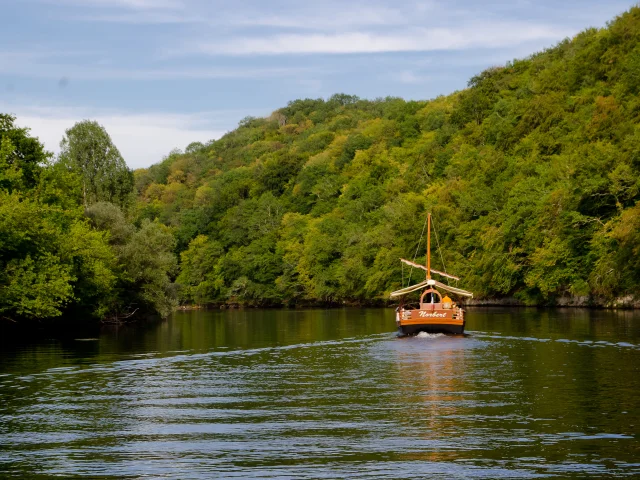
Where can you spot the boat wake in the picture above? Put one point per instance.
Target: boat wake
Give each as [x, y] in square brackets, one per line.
[584, 343]
[429, 335]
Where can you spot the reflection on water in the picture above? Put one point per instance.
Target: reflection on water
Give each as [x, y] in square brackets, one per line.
[328, 394]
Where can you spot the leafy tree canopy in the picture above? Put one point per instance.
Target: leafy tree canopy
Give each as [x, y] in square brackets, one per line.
[88, 150]
[55, 261]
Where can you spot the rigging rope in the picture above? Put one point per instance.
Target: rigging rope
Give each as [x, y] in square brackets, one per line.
[418, 248]
[439, 249]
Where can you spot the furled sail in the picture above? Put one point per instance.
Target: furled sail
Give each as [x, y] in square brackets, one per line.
[457, 291]
[417, 265]
[412, 288]
[426, 283]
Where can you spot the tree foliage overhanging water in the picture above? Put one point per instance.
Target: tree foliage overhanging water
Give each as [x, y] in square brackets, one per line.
[532, 174]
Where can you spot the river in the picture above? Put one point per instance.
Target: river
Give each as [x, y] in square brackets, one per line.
[328, 394]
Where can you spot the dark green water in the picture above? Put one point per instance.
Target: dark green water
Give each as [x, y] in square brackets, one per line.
[328, 394]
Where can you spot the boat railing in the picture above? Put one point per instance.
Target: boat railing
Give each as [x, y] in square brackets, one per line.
[430, 306]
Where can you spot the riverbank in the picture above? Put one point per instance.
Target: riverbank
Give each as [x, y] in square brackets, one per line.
[628, 302]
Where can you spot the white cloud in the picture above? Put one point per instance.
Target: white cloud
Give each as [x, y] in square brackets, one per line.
[142, 138]
[326, 15]
[127, 11]
[412, 40]
[76, 66]
[322, 17]
[410, 77]
[141, 4]
[127, 4]
[140, 17]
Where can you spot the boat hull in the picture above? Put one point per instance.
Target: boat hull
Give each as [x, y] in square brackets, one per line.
[431, 328]
[430, 318]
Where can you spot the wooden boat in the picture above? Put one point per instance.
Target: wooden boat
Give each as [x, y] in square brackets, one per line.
[434, 313]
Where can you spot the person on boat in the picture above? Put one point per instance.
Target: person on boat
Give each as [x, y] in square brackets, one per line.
[447, 302]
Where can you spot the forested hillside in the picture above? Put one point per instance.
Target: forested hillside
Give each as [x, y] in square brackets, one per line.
[532, 175]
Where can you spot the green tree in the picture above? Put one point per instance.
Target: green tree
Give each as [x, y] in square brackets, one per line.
[150, 264]
[10, 173]
[87, 149]
[199, 277]
[51, 261]
[21, 151]
[146, 263]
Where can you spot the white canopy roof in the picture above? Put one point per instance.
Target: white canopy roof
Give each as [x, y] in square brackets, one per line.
[426, 283]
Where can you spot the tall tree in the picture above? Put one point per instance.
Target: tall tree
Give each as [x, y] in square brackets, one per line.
[50, 258]
[87, 148]
[19, 153]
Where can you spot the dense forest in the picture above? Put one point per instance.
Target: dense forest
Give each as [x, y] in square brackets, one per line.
[66, 244]
[532, 174]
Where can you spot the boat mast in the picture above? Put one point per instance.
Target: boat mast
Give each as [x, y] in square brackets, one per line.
[429, 247]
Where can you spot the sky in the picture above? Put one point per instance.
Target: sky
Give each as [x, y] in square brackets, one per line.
[160, 74]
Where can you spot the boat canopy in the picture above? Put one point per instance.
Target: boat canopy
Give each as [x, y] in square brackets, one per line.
[427, 283]
[417, 265]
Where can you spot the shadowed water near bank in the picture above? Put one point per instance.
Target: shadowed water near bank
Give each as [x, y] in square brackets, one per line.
[328, 394]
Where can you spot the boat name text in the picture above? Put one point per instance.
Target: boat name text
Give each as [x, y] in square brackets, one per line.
[432, 314]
